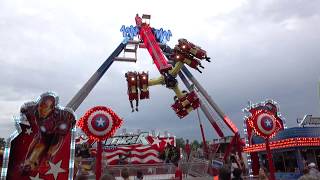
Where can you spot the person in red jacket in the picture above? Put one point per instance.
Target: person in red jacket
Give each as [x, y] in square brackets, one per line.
[178, 172]
[187, 149]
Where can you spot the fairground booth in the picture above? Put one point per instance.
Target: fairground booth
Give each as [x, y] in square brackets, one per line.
[292, 149]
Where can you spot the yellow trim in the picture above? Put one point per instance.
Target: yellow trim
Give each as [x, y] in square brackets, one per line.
[133, 89]
[189, 109]
[144, 88]
[187, 61]
[185, 103]
[176, 69]
[156, 81]
[178, 92]
[193, 51]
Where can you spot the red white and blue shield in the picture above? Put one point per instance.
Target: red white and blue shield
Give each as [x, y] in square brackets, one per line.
[266, 123]
[99, 123]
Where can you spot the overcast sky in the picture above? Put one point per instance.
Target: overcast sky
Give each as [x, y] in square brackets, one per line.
[260, 49]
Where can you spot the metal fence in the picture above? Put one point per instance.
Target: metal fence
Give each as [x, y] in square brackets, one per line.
[195, 168]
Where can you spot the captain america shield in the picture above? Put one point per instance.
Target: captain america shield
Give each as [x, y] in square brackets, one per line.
[99, 123]
[266, 123]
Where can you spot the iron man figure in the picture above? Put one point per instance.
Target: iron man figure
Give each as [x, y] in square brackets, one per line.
[50, 124]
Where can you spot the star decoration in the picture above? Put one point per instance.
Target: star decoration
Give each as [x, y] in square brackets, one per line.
[268, 123]
[168, 140]
[150, 170]
[100, 122]
[36, 177]
[55, 169]
[156, 141]
[28, 131]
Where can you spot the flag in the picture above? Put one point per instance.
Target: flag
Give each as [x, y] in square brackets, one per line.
[138, 153]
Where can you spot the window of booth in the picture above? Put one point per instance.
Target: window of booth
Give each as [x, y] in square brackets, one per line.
[283, 161]
[290, 161]
[279, 162]
[317, 154]
[264, 161]
[309, 156]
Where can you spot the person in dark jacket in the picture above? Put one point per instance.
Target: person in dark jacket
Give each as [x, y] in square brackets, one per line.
[225, 173]
[237, 172]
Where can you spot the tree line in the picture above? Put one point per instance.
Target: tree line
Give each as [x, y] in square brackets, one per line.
[195, 144]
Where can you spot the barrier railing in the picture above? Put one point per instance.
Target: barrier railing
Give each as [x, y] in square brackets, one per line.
[193, 168]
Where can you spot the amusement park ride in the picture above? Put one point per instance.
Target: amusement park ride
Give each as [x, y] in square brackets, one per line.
[44, 120]
[44, 143]
[170, 63]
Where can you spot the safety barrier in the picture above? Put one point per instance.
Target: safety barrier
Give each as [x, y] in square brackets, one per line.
[194, 168]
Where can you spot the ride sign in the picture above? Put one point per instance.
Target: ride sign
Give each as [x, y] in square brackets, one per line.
[161, 35]
[128, 140]
[129, 32]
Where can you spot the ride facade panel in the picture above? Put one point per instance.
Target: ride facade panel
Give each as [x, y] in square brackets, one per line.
[42, 148]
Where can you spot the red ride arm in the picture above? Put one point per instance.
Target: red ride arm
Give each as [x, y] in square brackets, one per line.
[153, 48]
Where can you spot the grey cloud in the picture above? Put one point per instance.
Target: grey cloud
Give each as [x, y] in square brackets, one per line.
[256, 57]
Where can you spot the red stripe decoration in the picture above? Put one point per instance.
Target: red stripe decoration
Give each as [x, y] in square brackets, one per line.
[138, 153]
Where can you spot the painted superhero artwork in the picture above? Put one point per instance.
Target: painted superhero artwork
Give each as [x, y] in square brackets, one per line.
[42, 149]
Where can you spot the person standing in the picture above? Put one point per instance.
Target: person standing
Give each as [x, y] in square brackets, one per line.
[305, 175]
[178, 172]
[224, 173]
[187, 149]
[313, 171]
[139, 175]
[125, 174]
[167, 153]
[263, 174]
[237, 172]
[107, 176]
[234, 164]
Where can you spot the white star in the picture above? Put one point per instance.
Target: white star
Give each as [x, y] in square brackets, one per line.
[156, 141]
[36, 177]
[150, 170]
[55, 169]
[268, 123]
[168, 140]
[100, 122]
[28, 131]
